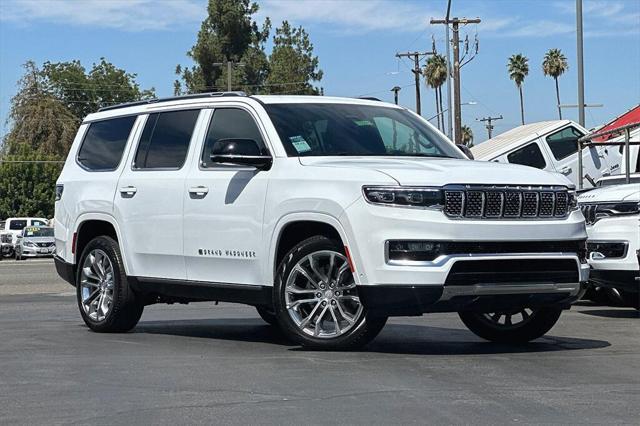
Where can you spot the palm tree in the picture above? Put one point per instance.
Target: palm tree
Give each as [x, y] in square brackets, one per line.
[435, 73]
[467, 136]
[518, 67]
[555, 64]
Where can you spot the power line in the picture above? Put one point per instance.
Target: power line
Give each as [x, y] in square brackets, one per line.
[416, 71]
[489, 120]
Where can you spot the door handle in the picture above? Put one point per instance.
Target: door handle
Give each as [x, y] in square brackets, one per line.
[199, 191]
[566, 170]
[128, 191]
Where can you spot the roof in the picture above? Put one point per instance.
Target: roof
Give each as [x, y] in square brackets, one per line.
[206, 99]
[629, 117]
[517, 136]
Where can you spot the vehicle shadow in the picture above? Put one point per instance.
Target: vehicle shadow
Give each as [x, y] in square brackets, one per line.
[394, 339]
[613, 313]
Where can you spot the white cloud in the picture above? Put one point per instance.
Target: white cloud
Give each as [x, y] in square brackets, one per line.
[128, 15]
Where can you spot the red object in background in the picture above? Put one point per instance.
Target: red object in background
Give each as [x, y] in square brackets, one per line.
[631, 116]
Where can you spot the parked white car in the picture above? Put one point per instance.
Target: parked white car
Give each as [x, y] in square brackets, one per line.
[613, 226]
[35, 241]
[327, 214]
[552, 146]
[15, 225]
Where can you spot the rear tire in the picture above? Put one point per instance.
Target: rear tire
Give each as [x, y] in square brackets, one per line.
[267, 315]
[534, 323]
[316, 300]
[107, 304]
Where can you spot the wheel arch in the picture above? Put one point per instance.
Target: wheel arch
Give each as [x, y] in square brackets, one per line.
[294, 228]
[91, 225]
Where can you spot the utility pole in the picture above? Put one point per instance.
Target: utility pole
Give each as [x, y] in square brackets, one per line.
[416, 71]
[456, 22]
[488, 120]
[580, 63]
[448, 43]
[395, 91]
[230, 65]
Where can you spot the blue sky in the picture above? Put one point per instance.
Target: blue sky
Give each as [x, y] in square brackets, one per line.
[356, 42]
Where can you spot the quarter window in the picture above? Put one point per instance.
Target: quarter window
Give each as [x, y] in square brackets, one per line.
[104, 143]
[230, 123]
[529, 155]
[16, 225]
[564, 143]
[165, 140]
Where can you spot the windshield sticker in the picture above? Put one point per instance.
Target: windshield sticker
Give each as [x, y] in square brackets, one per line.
[363, 123]
[300, 144]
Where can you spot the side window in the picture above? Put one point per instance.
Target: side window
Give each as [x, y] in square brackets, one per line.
[104, 143]
[230, 123]
[165, 140]
[564, 143]
[37, 222]
[17, 225]
[529, 155]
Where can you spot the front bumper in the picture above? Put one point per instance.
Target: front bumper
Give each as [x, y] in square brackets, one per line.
[618, 272]
[37, 251]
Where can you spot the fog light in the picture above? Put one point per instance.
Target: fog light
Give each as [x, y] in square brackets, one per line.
[413, 250]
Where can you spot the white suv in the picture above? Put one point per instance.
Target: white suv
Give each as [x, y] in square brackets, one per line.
[327, 214]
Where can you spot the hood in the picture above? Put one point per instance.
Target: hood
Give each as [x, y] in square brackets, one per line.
[442, 171]
[627, 192]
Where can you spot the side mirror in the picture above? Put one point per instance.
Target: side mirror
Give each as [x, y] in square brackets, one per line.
[465, 149]
[244, 152]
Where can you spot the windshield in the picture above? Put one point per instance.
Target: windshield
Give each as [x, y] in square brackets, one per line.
[358, 130]
[35, 231]
[618, 181]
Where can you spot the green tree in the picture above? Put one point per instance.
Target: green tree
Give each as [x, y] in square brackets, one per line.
[27, 183]
[435, 73]
[555, 64]
[467, 136]
[518, 67]
[228, 33]
[293, 68]
[84, 93]
[38, 121]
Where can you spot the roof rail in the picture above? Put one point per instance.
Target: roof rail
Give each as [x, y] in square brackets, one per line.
[172, 98]
[370, 98]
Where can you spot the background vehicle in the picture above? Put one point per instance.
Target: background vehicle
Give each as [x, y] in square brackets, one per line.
[327, 214]
[15, 225]
[6, 244]
[551, 146]
[35, 241]
[613, 225]
[617, 180]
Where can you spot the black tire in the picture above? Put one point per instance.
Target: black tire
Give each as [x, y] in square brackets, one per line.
[365, 327]
[539, 322]
[267, 315]
[126, 307]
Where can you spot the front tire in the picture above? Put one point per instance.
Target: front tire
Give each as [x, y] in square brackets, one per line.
[316, 299]
[107, 304]
[517, 326]
[267, 315]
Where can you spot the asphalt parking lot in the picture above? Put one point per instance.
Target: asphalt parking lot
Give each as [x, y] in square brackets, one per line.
[222, 365]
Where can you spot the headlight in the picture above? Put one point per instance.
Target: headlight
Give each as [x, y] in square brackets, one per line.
[423, 197]
[29, 244]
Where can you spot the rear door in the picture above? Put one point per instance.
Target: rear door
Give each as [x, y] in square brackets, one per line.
[224, 207]
[148, 201]
[531, 154]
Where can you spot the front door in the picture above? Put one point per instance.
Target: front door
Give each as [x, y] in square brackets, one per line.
[563, 146]
[148, 200]
[224, 206]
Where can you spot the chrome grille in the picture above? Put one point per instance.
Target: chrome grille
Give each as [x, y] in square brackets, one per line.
[510, 202]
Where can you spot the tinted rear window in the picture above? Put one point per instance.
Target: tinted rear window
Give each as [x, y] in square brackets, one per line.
[17, 225]
[165, 140]
[529, 155]
[104, 143]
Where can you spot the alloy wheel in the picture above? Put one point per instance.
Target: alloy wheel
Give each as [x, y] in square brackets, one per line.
[97, 285]
[321, 296]
[509, 319]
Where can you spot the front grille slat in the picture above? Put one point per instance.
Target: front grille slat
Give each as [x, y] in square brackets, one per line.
[487, 202]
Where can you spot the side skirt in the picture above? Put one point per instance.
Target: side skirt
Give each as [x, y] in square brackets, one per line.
[162, 290]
